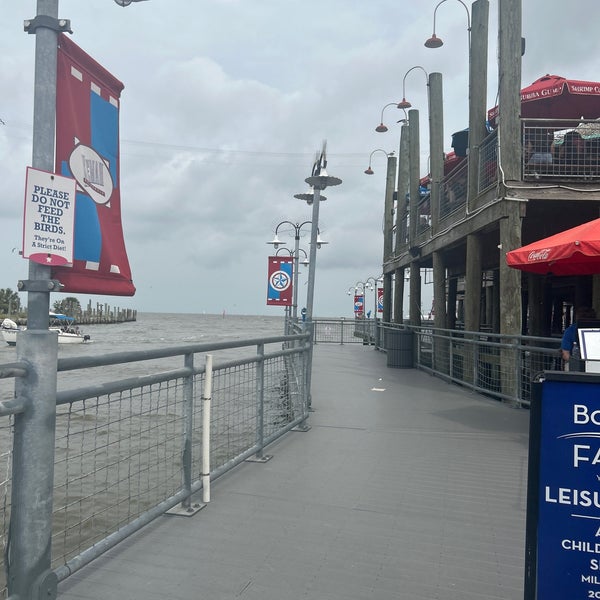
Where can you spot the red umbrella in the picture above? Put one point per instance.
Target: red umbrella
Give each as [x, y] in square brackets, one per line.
[575, 251]
[555, 97]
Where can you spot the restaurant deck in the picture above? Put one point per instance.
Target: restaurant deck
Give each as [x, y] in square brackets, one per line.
[405, 487]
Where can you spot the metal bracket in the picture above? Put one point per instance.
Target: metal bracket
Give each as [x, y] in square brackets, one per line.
[45, 587]
[60, 25]
[39, 285]
[259, 459]
[186, 511]
[303, 427]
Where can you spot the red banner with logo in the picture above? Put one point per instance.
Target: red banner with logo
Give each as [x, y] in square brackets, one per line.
[359, 305]
[379, 300]
[87, 149]
[280, 286]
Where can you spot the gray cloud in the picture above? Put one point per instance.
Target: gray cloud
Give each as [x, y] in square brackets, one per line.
[225, 104]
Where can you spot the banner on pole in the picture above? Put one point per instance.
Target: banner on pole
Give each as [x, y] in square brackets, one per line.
[379, 300]
[359, 305]
[280, 285]
[87, 149]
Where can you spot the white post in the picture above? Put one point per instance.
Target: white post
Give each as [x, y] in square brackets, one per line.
[206, 404]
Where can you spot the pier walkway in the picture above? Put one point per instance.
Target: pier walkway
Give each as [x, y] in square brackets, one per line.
[404, 488]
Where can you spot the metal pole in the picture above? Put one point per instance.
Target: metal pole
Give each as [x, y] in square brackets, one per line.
[311, 287]
[388, 220]
[296, 265]
[312, 258]
[29, 555]
[188, 404]
[206, 407]
[319, 180]
[260, 409]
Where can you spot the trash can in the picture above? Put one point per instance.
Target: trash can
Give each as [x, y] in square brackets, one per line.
[399, 344]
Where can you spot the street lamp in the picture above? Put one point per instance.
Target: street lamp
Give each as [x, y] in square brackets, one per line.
[436, 42]
[477, 21]
[382, 128]
[276, 242]
[309, 196]
[405, 103]
[368, 170]
[304, 262]
[360, 287]
[374, 286]
[319, 180]
[32, 574]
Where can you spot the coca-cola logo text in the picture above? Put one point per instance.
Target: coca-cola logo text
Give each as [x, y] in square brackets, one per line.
[539, 255]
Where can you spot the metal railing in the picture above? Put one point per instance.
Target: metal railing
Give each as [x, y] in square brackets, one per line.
[487, 154]
[128, 450]
[344, 331]
[561, 149]
[499, 366]
[453, 190]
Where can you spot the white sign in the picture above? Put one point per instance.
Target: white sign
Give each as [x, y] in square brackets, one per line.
[49, 218]
[589, 343]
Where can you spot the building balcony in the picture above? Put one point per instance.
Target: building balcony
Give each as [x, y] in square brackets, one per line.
[560, 161]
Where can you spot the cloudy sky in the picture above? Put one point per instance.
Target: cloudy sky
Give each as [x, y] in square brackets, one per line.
[225, 104]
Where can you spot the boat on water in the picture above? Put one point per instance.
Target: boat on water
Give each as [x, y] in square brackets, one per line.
[68, 332]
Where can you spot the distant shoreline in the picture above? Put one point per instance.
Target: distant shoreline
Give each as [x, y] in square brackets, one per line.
[90, 318]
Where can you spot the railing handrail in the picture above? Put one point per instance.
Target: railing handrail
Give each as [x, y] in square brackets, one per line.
[276, 380]
[84, 362]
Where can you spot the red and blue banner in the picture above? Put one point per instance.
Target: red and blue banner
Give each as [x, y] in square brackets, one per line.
[359, 305]
[280, 286]
[87, 149]
[379, 300]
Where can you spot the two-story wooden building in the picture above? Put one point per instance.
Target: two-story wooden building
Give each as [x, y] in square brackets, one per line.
[523, 179]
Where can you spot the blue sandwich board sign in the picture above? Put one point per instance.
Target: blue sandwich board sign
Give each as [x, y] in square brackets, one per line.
[562, 548]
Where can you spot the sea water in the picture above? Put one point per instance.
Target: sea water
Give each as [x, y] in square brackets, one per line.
[90, 427]
[149, 331]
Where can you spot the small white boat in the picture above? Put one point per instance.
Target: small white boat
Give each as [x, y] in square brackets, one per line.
[68, 332]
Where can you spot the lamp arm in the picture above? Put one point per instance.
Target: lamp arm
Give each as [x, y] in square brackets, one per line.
[466, 9]
[412, 69]
[283, 223]
[388, 104]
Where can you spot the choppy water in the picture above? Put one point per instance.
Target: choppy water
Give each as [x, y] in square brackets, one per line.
[151, 330]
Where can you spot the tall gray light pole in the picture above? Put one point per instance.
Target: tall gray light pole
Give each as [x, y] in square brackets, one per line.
[28, 559]
[29, 556]
[319, 180]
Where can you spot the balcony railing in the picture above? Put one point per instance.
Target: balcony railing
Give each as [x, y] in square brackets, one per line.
[453, 191]
[558, 149]
[561, 149]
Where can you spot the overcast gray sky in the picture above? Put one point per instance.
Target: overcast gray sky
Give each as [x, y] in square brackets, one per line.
[225, 104]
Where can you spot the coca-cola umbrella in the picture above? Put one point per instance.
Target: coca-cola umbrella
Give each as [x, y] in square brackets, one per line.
[575, 251]
[554, 97]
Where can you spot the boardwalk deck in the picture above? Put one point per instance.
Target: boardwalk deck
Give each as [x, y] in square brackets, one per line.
[405, 487]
